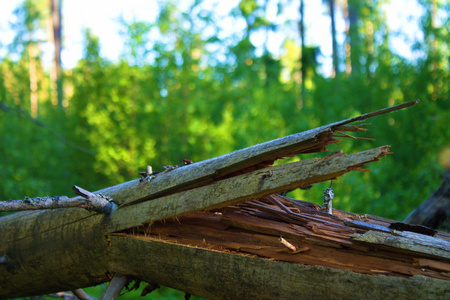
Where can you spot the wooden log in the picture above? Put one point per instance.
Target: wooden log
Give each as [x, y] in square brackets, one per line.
[408, 241]
[216, 255]
[219, 275]
[75, 243]
[321, 239]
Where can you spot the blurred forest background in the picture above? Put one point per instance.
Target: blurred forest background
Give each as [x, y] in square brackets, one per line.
[193, 93]
[200, 96]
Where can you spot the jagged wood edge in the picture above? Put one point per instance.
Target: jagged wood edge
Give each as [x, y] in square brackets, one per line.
[211, 170]
[256, 157]
[242, 188]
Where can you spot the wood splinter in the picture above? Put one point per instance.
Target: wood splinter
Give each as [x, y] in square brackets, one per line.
[287, 244]
[352, 137]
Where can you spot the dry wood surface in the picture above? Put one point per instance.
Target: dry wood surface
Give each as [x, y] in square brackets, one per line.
[283, 229]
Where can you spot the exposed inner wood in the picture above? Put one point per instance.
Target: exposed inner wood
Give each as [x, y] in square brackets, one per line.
[273, 226]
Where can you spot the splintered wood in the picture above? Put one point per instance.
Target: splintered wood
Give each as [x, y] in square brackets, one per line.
[283, 229]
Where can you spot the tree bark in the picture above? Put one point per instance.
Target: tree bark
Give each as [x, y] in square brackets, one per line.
[221, 275]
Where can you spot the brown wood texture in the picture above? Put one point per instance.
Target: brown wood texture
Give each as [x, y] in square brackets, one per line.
[334, 241]
[215, 274]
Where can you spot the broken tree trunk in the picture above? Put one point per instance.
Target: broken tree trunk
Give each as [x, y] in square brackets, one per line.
[76, 244]
[64, 249]
[306, 253]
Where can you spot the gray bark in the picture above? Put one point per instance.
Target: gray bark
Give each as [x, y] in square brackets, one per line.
[435, 211]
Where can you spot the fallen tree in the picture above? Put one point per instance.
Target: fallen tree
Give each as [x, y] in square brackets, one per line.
[212, 245]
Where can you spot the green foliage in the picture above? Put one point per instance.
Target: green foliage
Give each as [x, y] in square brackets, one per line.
[131, 292]
[191, 94]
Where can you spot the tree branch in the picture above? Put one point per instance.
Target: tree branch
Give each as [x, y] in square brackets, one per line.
[114, 288]
[46, 202]
[95, 202]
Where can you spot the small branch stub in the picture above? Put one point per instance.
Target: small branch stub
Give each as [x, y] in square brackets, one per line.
[287, 244]
[96, 202]
[328, 197]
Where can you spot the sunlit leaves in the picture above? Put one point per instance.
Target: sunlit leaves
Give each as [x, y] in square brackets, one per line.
[185, 88]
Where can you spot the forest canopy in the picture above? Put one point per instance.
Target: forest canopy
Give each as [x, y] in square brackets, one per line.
[193, 93]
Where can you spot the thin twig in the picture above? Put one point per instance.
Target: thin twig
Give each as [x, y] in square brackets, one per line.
[82, 295]
[63, 295]
[46, 202]
[353, 137]
[353, 128]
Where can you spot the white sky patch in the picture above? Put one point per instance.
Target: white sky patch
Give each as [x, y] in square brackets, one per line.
[103, 23]
[404, 25]
[102, 17]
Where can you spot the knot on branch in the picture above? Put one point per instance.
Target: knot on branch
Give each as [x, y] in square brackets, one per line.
[96, 202]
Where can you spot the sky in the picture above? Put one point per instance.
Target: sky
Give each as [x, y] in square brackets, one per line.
[101, 16]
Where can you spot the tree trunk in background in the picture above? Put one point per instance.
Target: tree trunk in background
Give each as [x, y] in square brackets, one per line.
[352, 50]
[348, 66]
[435, 211]
[301, 27]
[56, 70]
[32, 51]
[434, 46]
[333, 37]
